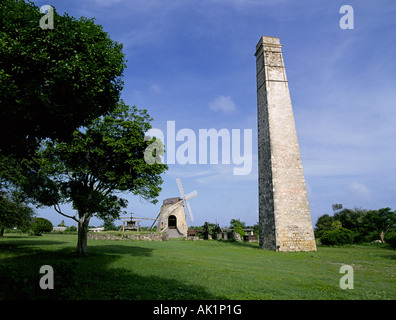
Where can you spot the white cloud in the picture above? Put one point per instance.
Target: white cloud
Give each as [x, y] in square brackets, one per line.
[155, 88]
[359, 191]
[223, 104]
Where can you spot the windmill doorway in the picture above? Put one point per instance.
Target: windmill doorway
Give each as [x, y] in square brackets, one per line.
[172, 222]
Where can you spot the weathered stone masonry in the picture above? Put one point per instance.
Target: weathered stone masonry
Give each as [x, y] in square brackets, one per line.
[284, 215]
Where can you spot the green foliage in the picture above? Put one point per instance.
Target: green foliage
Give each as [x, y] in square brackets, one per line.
[351, 219]
[256, 229]
[381, 221]
[367, 226]
[206, 230]
[337, 237]
[238, 229]
[337, 207]
[14, 212]
[41, 225]
[109, 225]
[102, 160]
[336, 225]
[323, 224]
[390, 238]
[216, 228]
[53, 81]
[215, 231]
[237, 225]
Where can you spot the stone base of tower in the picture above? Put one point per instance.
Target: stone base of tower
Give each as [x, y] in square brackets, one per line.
[287, 239]
[295, 239]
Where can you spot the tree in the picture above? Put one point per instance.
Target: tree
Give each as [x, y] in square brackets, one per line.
[390, 238]
[336, 225]
[52, 81]
[215, 231]
[351, 219]
[323, 224]
[381, 220]
[101, 161]
[14, 212]
[256, 229]
[336, 207]
[206, 231]
[238, 226]
[237, 223]
[41, 225]
[109, 225]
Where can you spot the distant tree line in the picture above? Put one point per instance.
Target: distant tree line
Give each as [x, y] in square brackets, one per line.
[356, 225]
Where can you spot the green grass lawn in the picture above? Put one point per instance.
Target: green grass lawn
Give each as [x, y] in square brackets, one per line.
[179, 269]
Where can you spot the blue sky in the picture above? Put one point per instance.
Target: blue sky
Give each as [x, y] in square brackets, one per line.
[193, 62]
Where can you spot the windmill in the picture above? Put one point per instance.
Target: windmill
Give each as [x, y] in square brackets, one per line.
[184, 198]
[174, 212]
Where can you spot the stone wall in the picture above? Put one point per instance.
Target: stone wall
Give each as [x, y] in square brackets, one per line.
[123, 237]
[218, 236]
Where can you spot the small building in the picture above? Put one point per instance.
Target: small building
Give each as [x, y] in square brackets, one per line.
[248, 231]
[59, 228]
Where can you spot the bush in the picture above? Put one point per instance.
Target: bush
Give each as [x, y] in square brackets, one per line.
[337, 237]
[238, 229]
[390, 238]
[41, 225]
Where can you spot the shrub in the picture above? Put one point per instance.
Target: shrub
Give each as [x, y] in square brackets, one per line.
[238, 229]
[71, 229]
[337, 237]
[390, 238]
[41, 225]
[359, 237]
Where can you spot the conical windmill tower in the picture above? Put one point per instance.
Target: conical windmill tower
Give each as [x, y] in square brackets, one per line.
[172, 217]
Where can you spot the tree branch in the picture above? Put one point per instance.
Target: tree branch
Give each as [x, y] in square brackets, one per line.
[104, 187]
[67, 172]
[65, 215]
[92, 182]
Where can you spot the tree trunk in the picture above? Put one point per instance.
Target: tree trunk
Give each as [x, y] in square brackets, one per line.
[1, 232]
[82, 235]
[382, 236]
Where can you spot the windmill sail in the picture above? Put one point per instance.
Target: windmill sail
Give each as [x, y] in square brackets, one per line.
[179, 185]
[191, 195]
[186, 197]
[189, 211]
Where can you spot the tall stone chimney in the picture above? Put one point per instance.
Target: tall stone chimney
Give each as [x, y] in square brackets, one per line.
[284, 215]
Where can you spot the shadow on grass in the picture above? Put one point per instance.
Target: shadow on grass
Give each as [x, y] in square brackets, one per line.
[86, 278]
[244, 244]
[27, 246]
[118, 250]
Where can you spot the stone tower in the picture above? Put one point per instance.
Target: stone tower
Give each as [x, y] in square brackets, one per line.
[284, 215]
[172, 218]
